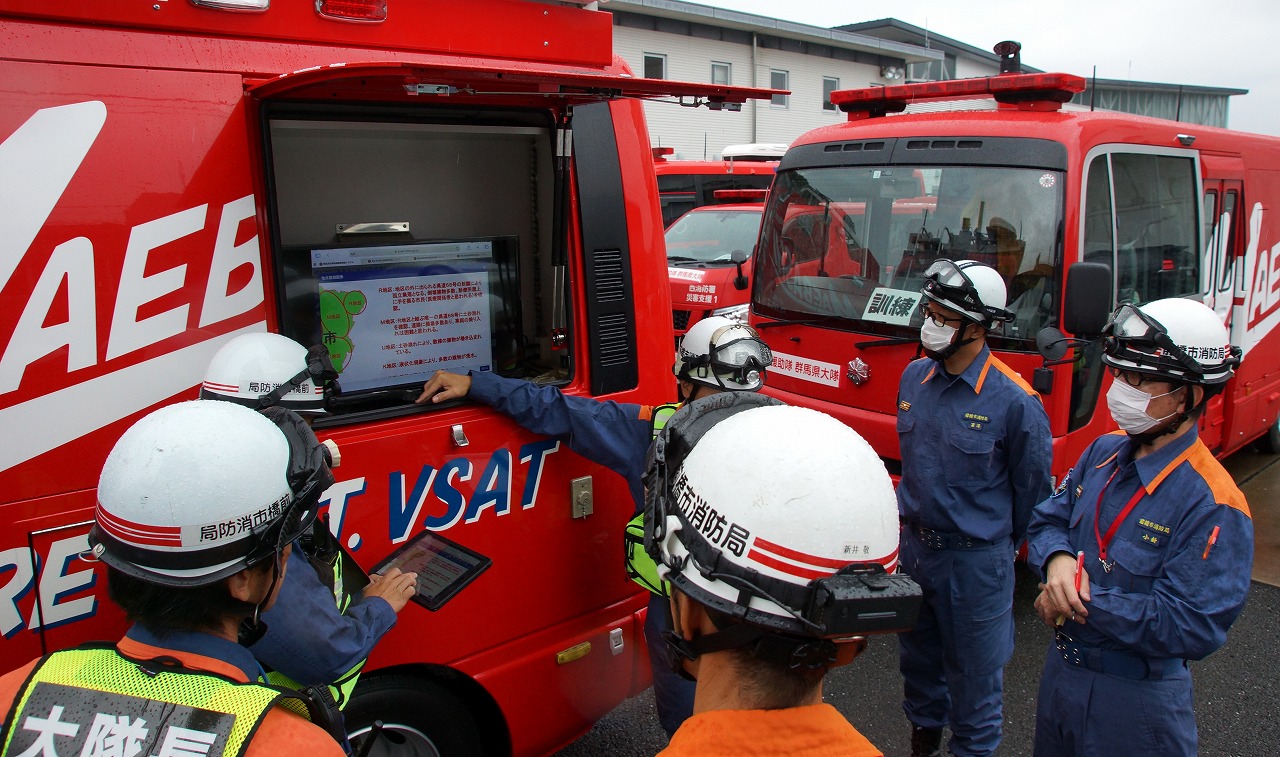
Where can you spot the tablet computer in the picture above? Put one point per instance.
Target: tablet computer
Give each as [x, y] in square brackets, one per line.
[443, 566]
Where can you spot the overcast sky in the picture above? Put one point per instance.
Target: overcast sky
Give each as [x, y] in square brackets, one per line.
[1230, 43]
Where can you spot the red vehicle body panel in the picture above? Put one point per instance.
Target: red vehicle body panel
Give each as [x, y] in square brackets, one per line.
[139, 240]
[812, 362]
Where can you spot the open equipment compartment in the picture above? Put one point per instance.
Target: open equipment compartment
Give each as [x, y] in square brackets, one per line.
[411, 240]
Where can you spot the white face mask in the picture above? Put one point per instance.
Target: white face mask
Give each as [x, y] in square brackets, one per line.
[1128, 406]
[936, 338]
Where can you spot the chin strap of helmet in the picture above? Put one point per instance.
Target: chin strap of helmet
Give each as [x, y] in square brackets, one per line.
[253, 628]
[794, 652]
[319, 369]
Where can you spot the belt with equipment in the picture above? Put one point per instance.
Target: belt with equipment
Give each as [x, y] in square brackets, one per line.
[1119, 664]
[934, 539]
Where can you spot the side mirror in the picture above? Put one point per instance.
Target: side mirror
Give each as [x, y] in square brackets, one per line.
[1087, 302]
[1051, 343]
[739, 257]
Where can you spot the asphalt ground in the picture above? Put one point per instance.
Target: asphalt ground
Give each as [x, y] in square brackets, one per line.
[1237, 689]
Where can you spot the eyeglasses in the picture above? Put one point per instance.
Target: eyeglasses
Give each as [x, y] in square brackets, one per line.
[1132, 378]
[938, 318]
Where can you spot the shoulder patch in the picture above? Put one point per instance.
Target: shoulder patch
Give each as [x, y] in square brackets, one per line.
[1064, 483]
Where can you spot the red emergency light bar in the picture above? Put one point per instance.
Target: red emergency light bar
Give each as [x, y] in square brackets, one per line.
[1032, 91]
[741, 194]
[661, 153]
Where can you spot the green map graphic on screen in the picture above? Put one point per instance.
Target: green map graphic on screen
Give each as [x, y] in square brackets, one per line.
[338, 311]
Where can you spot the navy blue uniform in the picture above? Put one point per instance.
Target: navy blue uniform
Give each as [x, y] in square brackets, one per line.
[307, 638]
[616, 435]
[975, 452]
[1180, 563]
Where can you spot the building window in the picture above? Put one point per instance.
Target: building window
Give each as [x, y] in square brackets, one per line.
[655, 66]
[829, 84]
[721, 73]
[779, 80]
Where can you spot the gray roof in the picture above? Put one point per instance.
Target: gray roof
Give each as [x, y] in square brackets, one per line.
[749, 22]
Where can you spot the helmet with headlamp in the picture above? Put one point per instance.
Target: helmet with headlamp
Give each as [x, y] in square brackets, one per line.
[198, 491]
[780, 517]
[724, 354]
[264, 369]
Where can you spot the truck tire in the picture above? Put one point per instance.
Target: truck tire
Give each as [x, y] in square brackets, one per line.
[420, 718]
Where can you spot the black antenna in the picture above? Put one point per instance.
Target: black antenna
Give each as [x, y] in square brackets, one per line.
[1093, 87]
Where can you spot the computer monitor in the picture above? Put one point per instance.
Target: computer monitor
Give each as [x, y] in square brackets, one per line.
[391, 314]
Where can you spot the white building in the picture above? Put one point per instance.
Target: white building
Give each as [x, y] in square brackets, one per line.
[684, 41]
[671, 39]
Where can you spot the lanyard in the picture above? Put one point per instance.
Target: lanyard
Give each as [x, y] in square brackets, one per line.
[1103, 541]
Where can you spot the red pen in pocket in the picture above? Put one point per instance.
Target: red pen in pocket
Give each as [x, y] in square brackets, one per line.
[1213, 539]
[1079, 569]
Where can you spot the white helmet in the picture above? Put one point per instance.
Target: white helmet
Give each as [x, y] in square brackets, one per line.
[782, 517]
[1179, 340]
[724, 354]
[970, 288]
[198, 491]
[263, 369]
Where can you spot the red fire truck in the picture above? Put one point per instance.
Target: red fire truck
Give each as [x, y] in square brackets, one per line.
[687, 184]
[1067, 205]
[176, 173]
[709, 258]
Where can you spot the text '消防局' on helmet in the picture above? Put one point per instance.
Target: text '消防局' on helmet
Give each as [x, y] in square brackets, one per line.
[198, 491]
[724, 354]
[264, 369]
[1175, 339]
[779, 517]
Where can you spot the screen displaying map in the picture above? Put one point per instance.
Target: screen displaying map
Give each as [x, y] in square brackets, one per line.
[391, 315]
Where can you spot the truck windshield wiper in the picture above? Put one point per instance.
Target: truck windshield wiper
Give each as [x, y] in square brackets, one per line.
[873, 343]
[797, 322]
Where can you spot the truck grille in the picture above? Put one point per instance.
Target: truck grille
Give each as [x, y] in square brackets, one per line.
[680, 319]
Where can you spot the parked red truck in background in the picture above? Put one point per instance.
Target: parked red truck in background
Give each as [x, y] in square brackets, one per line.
[709, 258]
[687, 184]
[399, 179]
[1044, 195]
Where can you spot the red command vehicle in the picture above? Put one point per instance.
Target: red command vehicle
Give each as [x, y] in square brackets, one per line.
[1138, 207]
[709, 258]
[687, 184]
[400, 181]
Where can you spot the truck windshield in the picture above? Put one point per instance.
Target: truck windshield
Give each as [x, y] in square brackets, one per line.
[849, 244]
[709, 236]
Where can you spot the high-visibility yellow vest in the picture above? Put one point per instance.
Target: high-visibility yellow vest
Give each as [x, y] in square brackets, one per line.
[640, 566]
[93, 700]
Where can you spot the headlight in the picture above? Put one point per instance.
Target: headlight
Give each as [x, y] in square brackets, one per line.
[737, 313]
